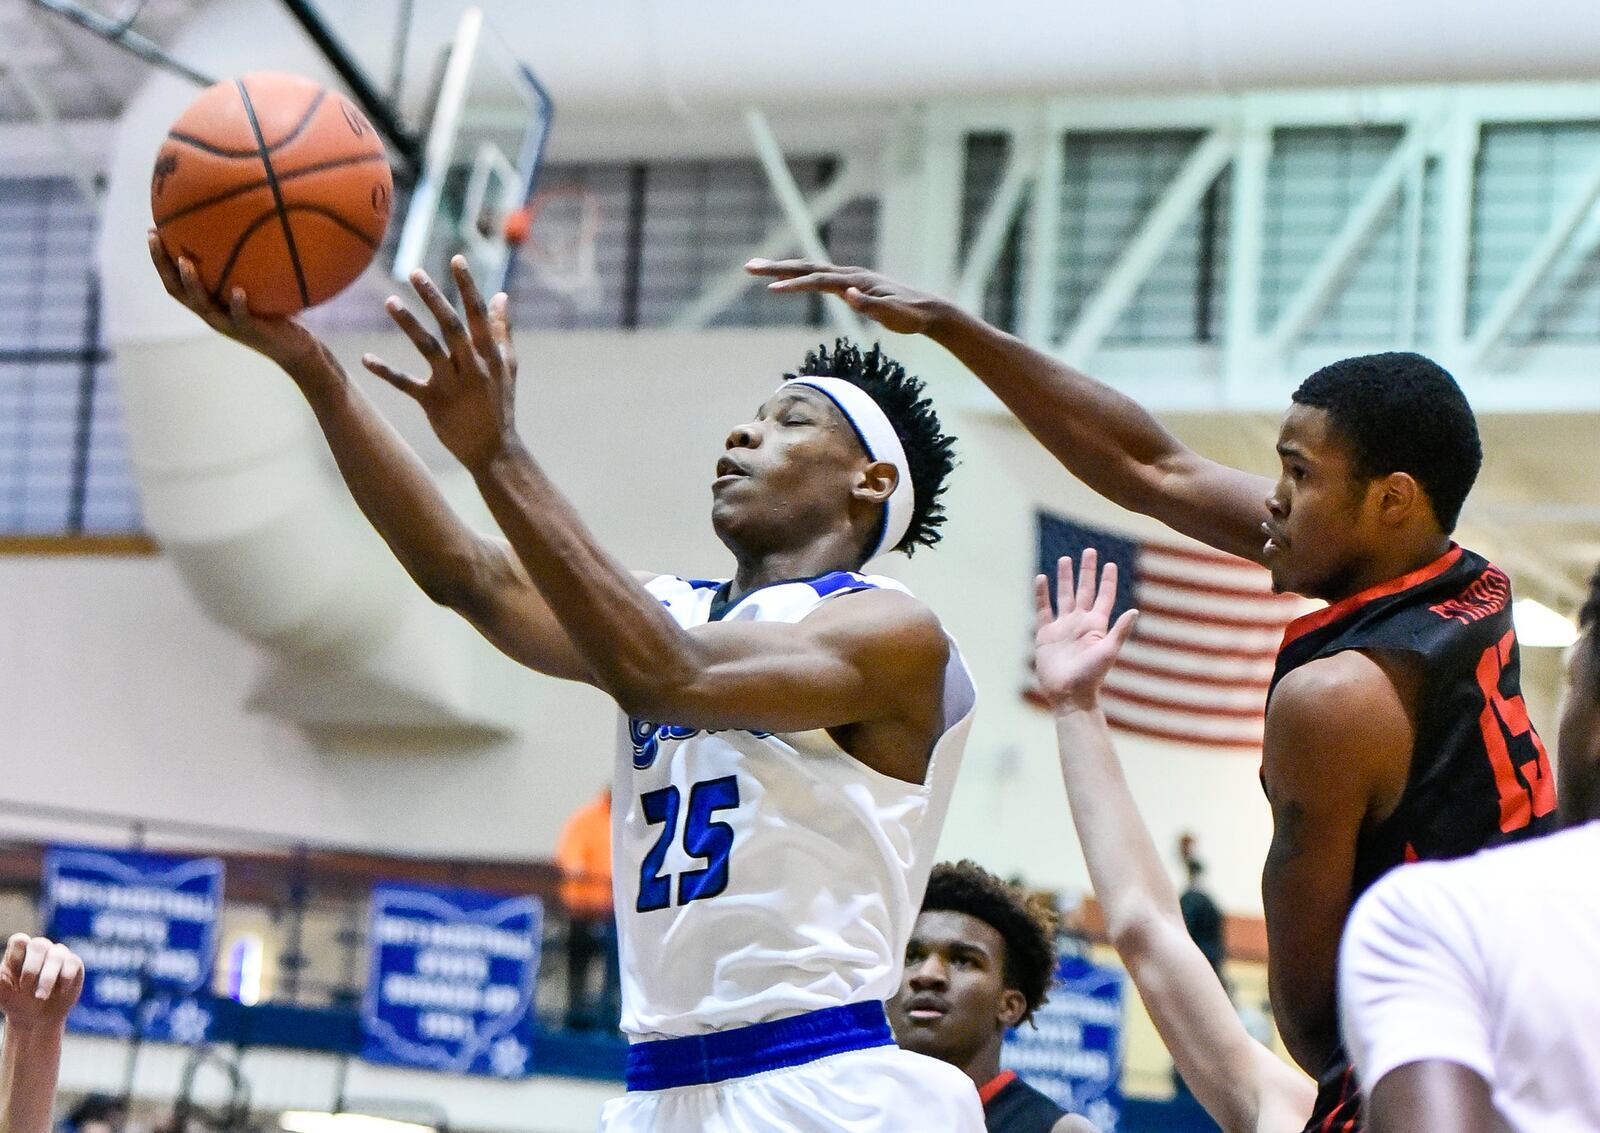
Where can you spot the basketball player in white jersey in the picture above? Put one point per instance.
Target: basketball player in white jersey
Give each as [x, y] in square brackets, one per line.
[793, 731]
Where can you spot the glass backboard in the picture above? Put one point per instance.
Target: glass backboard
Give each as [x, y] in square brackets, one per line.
[480, 166]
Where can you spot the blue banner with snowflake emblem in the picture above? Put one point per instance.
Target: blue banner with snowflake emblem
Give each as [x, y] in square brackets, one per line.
[450, 981]
[146, 927]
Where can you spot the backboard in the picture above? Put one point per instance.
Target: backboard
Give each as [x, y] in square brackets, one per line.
[485, 141]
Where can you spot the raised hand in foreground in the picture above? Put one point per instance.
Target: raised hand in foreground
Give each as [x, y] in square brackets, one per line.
[1074, 648]
[40, 981]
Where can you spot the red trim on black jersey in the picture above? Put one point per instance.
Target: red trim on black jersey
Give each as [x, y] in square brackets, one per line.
[993, 1086]
[1330, 614]
[1344, 1108]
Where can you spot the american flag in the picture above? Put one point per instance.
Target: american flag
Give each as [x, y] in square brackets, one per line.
[1198, 665]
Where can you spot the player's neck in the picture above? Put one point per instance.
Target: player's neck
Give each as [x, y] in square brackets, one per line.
[822, 557]
[984, 1066]
[1405, 558]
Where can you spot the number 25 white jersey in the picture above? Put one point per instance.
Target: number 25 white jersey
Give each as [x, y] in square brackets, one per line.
[758, 875]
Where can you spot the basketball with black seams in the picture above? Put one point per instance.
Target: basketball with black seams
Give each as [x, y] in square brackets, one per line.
[275, 184]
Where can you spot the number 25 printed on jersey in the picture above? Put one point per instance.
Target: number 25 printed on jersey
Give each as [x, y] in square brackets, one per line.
[703, 838]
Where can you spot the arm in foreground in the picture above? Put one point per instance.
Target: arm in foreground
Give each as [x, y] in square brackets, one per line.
[1336, 730]
[1413, 1012]
[39, 983]
[1243, 1085]
[455, 566]
[1102, 437]
[868, 657]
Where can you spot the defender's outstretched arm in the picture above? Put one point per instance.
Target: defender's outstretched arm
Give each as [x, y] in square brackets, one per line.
[1104, 438]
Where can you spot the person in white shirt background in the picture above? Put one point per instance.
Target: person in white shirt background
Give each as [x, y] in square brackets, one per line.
[1471, 1000]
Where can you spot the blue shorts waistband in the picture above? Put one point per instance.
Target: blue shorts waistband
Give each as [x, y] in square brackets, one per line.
[701, 1059]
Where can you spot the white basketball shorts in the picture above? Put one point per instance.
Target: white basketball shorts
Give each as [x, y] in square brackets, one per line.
[831, 1071]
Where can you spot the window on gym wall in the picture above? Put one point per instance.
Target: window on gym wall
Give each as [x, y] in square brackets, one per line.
[658, 234]
[1316, 179]
[1528, 173]
[64, 466]
[666, 230]
[1110, 181]
[986, 158]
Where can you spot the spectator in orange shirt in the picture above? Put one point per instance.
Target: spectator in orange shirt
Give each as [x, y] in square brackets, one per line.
[584, 855]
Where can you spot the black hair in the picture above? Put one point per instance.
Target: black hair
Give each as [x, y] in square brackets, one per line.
[1025, 921]
[97, 1107]
[930, 451]
[1402, 412]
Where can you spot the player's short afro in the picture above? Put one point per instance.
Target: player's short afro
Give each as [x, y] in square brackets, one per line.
[1402, 412]
[929, 449]
[1025, 921]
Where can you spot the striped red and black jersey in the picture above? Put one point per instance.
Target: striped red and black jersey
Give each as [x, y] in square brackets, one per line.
[1010, 1105]
[1479, 773]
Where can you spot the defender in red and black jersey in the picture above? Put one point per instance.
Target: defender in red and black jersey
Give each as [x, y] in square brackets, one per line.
[1376, 455]
[1479, 774]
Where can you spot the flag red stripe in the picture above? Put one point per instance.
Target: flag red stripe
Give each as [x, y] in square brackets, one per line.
[1195, 554]
[1222, 621]
[1171, 704]
[1203, 679]
[1216, 589]
[1151, 637]
[1177, 735]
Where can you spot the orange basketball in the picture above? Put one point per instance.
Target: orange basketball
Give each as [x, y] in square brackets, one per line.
[273, 184]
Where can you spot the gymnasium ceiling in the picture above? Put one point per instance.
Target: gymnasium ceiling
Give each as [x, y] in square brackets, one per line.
[77, 74]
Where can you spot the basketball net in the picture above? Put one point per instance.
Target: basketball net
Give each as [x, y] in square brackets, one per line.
[555, 235]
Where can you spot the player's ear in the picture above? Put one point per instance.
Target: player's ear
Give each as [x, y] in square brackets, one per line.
[1399, 496]
[1013, 1006]
[877, 481]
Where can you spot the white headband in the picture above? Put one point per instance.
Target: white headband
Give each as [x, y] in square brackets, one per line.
[878, 437]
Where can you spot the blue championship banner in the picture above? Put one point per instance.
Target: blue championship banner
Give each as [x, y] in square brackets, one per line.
[1075, 1055]
[450, 980]
[146, 927]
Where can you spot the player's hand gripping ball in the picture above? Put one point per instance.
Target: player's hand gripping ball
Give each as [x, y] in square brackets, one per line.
[274, 184]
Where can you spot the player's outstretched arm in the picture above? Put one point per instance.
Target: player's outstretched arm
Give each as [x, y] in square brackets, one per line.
[454, 565]
[39, 983]
[1104, 438]
[1244, 1086]
[817, 674]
